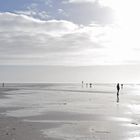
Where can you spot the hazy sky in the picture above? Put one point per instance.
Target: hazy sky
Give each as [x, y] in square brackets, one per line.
[68, 74]
[69, 32]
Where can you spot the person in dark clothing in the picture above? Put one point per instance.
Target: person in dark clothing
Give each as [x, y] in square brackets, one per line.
[118, 89]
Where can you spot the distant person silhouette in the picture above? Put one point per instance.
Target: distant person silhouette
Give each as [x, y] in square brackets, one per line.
[90, 84]
[121, 86]
[2, 84]
[82, 84]
[118, 89]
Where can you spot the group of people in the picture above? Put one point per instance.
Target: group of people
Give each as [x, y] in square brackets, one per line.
[119, 86]
[87, 84]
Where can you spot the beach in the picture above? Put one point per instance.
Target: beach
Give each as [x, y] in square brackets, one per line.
[69, 112]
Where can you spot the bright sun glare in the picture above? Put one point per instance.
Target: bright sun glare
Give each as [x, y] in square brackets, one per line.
[125, 39]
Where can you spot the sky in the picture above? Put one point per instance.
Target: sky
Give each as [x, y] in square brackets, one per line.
[69, 33]
[68, 74]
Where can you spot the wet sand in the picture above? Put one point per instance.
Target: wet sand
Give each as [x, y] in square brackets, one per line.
[41, 114]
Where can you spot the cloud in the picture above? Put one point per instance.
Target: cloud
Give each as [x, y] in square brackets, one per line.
[82, 12]
[87, 12]
[33, 10]
[36, 14]
[26, 40]
[28, 24]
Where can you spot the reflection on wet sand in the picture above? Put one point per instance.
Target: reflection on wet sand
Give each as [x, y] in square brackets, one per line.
[72, 112]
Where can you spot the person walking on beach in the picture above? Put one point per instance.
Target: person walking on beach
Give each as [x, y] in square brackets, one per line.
[118, 89]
